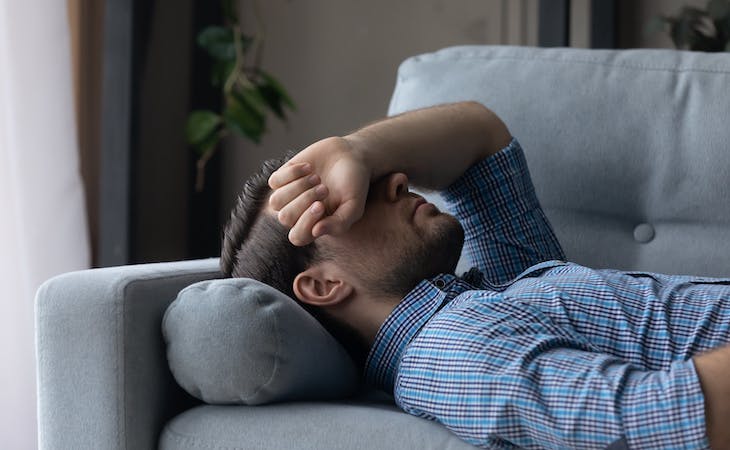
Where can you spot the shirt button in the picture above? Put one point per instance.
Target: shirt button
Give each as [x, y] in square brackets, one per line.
[439, 283]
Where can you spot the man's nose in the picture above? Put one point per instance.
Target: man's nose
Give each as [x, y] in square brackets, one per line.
[397, 185]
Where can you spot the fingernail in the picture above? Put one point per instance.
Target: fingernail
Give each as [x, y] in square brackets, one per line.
[316, 208]
[313, 179]
[320, 190]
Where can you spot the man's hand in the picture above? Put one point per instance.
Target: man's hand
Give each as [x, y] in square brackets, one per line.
[433, 146]
[712, 369]
[322, 190]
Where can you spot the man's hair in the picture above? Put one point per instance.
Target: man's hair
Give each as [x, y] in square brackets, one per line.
[255, 245]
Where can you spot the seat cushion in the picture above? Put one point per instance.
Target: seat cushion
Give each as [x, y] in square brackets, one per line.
[354, 424]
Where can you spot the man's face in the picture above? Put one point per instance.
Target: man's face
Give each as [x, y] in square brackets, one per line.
[400, 240]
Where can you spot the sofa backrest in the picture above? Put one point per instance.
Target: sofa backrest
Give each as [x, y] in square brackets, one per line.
[629, 150]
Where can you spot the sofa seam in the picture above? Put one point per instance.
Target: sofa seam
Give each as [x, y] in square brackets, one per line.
[197, 442]
[435, 57]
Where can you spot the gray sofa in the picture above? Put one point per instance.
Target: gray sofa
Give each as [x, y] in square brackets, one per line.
[630, 156]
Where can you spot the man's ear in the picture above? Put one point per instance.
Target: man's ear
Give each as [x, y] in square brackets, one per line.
[318, 286]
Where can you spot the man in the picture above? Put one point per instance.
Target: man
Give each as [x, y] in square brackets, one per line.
[526, 349]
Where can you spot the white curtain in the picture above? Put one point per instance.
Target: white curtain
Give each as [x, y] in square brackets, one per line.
[43, 230]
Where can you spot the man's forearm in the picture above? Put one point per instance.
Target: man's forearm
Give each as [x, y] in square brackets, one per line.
[433, 146]
[713, 369]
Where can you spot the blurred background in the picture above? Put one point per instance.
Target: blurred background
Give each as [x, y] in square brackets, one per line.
[98, 159]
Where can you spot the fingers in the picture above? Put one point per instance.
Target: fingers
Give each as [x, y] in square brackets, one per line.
[301, 233]
[290, 213]
[288, 173]
[287, 193]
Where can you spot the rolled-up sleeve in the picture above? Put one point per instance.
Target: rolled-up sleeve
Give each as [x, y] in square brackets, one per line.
[505, 229]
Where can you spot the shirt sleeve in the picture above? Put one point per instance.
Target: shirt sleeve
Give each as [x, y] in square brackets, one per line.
[542, 391]
[505, 229]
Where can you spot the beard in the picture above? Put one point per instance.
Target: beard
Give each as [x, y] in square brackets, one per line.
[437, 251]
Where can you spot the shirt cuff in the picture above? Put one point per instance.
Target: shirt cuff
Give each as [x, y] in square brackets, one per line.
[665, 408]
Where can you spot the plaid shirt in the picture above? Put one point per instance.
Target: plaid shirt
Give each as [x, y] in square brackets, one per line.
[527, 350]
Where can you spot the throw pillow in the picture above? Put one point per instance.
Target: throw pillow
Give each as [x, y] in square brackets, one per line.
[239, 341]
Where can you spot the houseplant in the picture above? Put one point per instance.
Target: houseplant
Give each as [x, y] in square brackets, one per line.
[250, 94]
[697, 29]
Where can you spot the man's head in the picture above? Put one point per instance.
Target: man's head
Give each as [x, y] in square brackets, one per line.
[351, 280]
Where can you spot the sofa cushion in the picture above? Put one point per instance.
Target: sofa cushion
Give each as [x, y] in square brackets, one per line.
[239, 341]
[351, 425]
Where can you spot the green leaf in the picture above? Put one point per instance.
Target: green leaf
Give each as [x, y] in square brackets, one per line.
[243, 119]
[200, 125]
[208, 143]
[274, 84]
[251, 97]
[220, 72]
[218, 42]
[272, 99]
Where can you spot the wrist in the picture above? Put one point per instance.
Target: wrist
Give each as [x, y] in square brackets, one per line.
[362, 147]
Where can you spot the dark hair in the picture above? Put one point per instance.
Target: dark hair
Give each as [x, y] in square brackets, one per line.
[255, 245]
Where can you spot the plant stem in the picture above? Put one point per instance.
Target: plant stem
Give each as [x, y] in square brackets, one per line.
[203, 161]
[200, 168]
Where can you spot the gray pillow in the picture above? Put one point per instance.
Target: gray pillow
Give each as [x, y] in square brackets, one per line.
[239, 341]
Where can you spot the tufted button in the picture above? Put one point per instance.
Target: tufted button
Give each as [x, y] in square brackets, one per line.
[440, 283]
[644, 233]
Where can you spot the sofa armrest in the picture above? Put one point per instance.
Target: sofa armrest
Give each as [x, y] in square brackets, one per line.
[103, 379]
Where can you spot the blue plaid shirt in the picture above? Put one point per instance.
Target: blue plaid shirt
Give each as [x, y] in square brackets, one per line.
[527, 350]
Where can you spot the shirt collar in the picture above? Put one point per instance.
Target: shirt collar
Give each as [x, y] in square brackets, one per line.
[404, 323]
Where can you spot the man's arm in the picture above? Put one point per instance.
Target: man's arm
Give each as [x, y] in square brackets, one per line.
[433, 146]
[322, 190]
[713, 370]
[537, 389]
